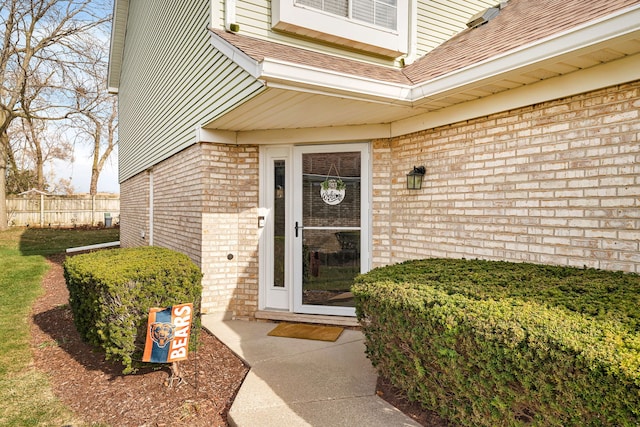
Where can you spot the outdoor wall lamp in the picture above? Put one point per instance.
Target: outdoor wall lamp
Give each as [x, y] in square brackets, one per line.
[414, 178]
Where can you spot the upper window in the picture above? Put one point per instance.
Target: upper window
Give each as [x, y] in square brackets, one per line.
[377, 26]
[383, 13]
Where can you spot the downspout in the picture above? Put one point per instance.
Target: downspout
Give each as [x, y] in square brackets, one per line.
[151, 207]
[230, 16]
[412, 49]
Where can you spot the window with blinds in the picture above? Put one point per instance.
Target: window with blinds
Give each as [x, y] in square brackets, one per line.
[376, 26]
[383, 13]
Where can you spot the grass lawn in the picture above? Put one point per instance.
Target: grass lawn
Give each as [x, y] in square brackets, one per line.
[25, 394]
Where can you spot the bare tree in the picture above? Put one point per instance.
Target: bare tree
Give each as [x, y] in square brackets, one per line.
[94, 119]
[41, 39]
[33, 144]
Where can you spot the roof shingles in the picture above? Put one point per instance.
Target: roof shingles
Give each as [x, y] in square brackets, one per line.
[520, 23]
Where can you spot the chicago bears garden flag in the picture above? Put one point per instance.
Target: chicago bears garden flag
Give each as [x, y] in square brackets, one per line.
[168, 331]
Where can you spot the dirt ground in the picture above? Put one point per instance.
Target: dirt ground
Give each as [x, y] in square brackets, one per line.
[97, 391]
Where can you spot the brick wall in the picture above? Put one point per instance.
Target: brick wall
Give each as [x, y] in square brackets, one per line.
[177, 203]
[205, 206]
[134, 211]
[230, 229]
[554, 183]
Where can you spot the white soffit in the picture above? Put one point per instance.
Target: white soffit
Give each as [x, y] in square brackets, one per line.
[525, 58]
[617, 72]
[295, 76]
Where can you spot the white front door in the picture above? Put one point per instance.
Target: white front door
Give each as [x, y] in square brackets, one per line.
[315, 238]
[330, 226]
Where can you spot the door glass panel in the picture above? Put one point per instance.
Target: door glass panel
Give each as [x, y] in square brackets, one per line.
[331, 193]
[278, 223]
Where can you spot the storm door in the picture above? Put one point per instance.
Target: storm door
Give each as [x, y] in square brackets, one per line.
[330, 226]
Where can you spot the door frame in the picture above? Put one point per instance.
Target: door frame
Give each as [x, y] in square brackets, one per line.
[289, 298]
[298, 152]
[271, 297]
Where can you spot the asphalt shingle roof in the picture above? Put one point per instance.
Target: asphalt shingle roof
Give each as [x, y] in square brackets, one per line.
[520, 23]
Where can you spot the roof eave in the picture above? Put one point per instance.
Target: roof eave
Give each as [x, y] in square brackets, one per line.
[612, 26]
[116, 47]
[285, 74]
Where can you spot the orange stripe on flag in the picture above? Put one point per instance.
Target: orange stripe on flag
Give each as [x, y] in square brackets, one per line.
[181, 316]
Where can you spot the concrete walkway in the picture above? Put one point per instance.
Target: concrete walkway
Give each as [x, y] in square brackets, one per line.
[296, 382]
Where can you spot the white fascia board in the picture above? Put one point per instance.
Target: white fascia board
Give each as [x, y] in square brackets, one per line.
[621, 71]
[243, 60]
[116, 43]
[216, 136]
[283, 74]
[615, 25]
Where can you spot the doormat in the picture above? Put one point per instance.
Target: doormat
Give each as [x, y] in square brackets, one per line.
[307, 332]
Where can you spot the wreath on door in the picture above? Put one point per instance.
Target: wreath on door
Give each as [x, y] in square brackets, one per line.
[333, 190]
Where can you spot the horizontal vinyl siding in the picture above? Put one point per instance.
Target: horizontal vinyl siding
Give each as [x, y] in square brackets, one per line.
[254, 19]
[172, 81]
[439, 20]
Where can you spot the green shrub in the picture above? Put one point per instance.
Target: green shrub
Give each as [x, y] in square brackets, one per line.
[111, 291]
[495, 343]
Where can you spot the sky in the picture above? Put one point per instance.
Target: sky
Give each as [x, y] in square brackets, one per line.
[79, 171]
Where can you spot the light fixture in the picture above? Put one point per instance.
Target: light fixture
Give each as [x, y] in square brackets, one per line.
[414, 178]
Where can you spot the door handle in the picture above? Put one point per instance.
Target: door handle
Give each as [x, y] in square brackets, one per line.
[298, 227]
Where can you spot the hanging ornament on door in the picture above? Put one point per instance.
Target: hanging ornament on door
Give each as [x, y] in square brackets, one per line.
[332, 190]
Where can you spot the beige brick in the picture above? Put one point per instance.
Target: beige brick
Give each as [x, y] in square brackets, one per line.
[566, 169]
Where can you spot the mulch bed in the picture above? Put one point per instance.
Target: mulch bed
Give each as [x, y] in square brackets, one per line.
[97, 392]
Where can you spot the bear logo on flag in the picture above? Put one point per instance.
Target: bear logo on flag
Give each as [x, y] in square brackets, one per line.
[168, 331]
[162, 333]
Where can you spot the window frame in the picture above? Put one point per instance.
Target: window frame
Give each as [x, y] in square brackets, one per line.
[291, 17]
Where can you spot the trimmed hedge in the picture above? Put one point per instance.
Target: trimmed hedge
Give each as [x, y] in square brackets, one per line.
[493, 343]
[111, 291]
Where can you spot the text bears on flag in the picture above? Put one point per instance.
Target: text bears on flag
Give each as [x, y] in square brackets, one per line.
[168, 332]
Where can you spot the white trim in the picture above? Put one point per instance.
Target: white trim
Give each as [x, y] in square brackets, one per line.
[365, 221]
[412, 51]
[216, 136]
[229, 13]
[310, 22]
[241, 59]
[269, 296]
[274, 70]
[617, 72]
[612, 73]
[150, 207]
[314, 135]
[214, 13]
[116, 44]
[295, 76]
[593, 32]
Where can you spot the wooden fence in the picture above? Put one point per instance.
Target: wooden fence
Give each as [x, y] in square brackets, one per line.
[42, 210]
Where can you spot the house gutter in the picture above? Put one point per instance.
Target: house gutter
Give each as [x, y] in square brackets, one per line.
[609, 27]
[287, 75]
[277, 73]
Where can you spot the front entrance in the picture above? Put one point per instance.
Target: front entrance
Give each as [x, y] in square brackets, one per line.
[316, 235]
